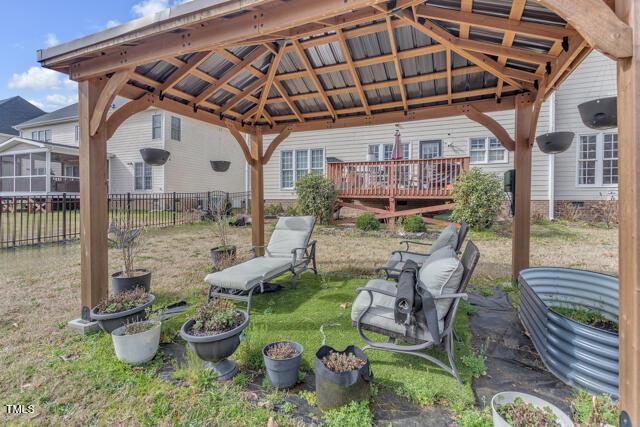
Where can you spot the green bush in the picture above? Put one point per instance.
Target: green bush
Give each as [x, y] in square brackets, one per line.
[367, 222]
[414, 224]
[478, 197]
[316, 196]
[355, 414]
[274, 209]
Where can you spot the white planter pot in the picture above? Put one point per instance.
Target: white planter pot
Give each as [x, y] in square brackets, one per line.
[510, 396]
[139, 348]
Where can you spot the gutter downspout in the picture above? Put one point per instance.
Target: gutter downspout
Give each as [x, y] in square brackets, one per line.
[247, 180]
[552, 159]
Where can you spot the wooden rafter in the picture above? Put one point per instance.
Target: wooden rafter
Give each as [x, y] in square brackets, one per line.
[449, 77]
[275, 143]
[241, 142]
[396, 63]
[105, 99]
[314, 77]
[492, 125]
[290, 102]
[566, 61]
[184, 70]
[517, 9]
[271, 74]
[466, 6]
[346, 53]
[242, 95]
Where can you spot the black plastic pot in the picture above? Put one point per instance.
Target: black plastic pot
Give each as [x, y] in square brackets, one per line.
[600, 113]
[109, 322]
[154, 156]
[215, 349]
[220, 165]
[121, 284]
[555, 142]
[338, 389]
[282, 373]
[220, 254]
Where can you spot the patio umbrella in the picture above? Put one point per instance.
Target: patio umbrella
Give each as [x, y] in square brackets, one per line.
[397, 154]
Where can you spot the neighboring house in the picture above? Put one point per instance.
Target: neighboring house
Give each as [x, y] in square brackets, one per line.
[54, 138]
[14, 111]
[577, 180]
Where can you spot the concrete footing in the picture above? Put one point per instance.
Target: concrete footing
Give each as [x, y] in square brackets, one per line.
[83, 326]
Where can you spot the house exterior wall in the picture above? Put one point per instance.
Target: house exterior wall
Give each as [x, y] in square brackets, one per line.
[61, 133]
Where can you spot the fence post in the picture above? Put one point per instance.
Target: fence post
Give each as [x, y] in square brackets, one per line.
[209, 200]
[174, 208]
[128, 214]
[64, 216]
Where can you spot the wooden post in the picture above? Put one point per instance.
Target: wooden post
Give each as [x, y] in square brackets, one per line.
[93, 201]
[257, 193]
[392, 209]
[522, 161]
[629, 227]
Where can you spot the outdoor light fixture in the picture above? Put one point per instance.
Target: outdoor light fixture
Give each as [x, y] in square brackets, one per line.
[154, 156]
[555, 142]
[220, 165]
[600, 113]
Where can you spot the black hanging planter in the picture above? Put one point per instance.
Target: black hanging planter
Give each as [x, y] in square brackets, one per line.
[154, 156]
[600, 113]
[220, 165]
[555, 142]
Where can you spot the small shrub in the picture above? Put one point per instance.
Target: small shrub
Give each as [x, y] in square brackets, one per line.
[316, 196]
[123, 301]
[281, 351]
[292, 211]
[342, 362]
[274, 209]
[288, 408]
[521, 414]
[595, 410]
[478, 197]
[414, 224]
[475, 418]
[367, 222]
[355, 414]
[215, 317]
[138, 328]
[310, 397]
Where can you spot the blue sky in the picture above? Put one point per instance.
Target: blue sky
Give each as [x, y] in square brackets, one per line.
[29, 25]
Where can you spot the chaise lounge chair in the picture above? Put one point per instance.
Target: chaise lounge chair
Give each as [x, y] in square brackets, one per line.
[450, 236]
[446, 279]
[288, 250]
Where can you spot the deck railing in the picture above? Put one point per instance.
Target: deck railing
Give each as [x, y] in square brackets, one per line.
[433, 178]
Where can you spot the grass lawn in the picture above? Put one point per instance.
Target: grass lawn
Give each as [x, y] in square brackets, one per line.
[77, 380]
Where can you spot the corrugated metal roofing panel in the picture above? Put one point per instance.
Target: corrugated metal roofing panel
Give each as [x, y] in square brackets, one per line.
[215, 66]
[192, 85]
[159, 71]
[278, 109]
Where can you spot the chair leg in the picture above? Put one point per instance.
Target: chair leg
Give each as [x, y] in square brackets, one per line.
[294, 280]
[449, 345]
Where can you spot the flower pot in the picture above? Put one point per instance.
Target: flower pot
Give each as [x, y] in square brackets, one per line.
[600, 113]
[220, 165]
[510, 396]
[109, 322]
[214, 349]
[121, 284]
[555, 142]
[221, 254]
[335, 389]
[154, 156]
[138, 348]
[282, 373]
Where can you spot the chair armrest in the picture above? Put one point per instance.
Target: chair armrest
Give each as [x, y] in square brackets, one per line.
[305, 251]
[378, 291]
[451, 296]
[409, 253]
[413, 242]
[388, 270]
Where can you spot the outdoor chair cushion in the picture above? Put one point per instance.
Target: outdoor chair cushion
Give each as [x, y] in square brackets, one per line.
[291, 232]
[250, 273]
[441, 274]
[380, 314]
[448, 237]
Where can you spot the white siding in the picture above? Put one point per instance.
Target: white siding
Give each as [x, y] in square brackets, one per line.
[61, 133]
[594, 78]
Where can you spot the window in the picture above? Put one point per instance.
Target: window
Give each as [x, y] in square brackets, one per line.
[487, 150]
[294, 164]
[598, 159]
[156, 126]
[143, 178]
[430, 149]
[42, 135]
[176, 128]
[25, 172]
[374, 151]
[77, 131]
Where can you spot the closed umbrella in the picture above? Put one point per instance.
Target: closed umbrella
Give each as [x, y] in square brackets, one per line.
[397, 153]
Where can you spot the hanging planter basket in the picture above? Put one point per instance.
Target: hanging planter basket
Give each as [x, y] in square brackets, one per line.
[555, 142]
[220, 165]
[154, 156]
[600, 113]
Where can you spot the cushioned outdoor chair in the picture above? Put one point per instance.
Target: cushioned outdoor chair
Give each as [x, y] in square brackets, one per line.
[450, 236]
[446, 277]
[289, 250]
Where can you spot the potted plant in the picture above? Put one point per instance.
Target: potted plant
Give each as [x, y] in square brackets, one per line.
[120, 309]
[341, 376]
[282, 361]
[515, 409]
[124, 236]
[137, 342]
[214, 334]
[225, 252]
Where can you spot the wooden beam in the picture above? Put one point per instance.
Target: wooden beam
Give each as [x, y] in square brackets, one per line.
[241, 142]
[492, 126]
[123, 113]
[271, 74]
[517, 9]
[565, 61]
[93, 201]
[346, 53]
[596, 23]
[105, 99]
[275, 143]
[314, 77]
[628, 80]
[184, 70]
[242, 95]
[417, 211]
[257, 195]
[466, 6]
[522, 162]
[396, 64]
[291, 103]
[449, 77]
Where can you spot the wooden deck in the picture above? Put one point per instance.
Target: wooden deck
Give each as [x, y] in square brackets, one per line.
[397, 179]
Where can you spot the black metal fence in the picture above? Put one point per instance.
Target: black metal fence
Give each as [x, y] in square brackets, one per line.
[36, 219]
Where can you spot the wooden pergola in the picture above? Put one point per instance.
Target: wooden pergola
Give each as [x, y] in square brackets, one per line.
[263, 67]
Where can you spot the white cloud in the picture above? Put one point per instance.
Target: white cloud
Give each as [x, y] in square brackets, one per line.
[59, 101]
[52, 40]
[149, 7]
[38, 104]
[37, 78]
[112, 23]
